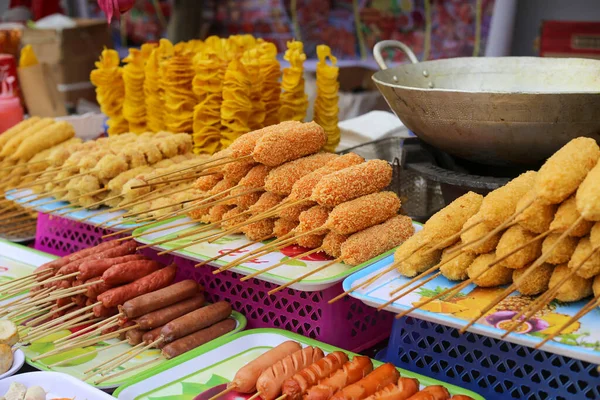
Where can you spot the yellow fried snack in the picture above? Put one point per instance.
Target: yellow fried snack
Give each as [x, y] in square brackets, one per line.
[326, 107]
[270, 72]
[513, 238]
[15, 141]
[153, 91]
[134, 106]
[566, 215]
[236, 107]
[294, 102]
[456, 269]
[493, 276]
[561, 253]
[252, 68]
[591, 267]
[588, 195]
[179, 97]
[478, 232]
[46, 138]
[536, 282]
[110, 90]
[538, 216]
[574, 289]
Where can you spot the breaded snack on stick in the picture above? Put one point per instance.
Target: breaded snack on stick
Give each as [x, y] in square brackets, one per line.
[563, 252]
[588, 195]
[574, 289]
[420, 260]
[289, 142]
[260, 229]
[282, 178]
[536, 282]
[456, 269]
[361, 213]
[591, 267]
[371, 242]
[595, 235]
[255, 178]
[477, 232]
[596, 286]
[495, 275]
[235, 171]
[332, 244]
[512, 238]
[565, 170]
[566, 215]
[312, 219]
[284, 226]
[244, 145]
[538, 216]
[265, 203]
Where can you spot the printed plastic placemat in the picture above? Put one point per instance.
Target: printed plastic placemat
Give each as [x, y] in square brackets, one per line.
[204, 372]
[581, 340]
[291, 269]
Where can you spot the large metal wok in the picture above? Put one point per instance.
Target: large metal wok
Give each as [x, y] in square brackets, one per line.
[496, 111]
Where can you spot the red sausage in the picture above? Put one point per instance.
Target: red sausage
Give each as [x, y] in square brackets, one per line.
[129, 271]
[151, 336]
[432, 393]
[93, 268]
[79, 300]
[156, 280]
[161, 298]
[298, 384]
[96, 290]
[198, 338]
[58, 263]
[168, 314]
[134, 336]
[122, 250]
[196, 320]
[375, 381]
[351, 372]
[406, 387]
[102, 312]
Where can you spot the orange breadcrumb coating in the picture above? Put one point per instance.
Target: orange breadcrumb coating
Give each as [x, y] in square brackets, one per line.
[588, 195]
[535, 283]
[456, 269]
[352, 182]
[265, 203]
[236, 211]
[376, 240]
[538, 216]
[293, 212]
[281, 179]
[260, 229]
[256, 176]
[244, 145]
[247, 200]
[591, 267]
[284, 226]
[215, 214]
[501, 203]
[495, 275]
[514, 237]
[236, 170]
[574, 289]
[561, 253]
[311, 219]
[451, 219]
[289, 142]
[221, 186]
[565, 170]
[332, 244]
[566, 215]
[361, 213]
[205, 183]
[478, 232]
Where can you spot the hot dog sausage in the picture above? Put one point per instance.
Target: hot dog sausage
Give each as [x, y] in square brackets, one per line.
[58, 263]
[161, 298]
[431, 393]
[134, 336]
[126, 324]
[79, 300]
[94, 291]
[245, 379]
[198, 338]
[156, 280]
[406, 387]
[119, 251]
[376, 380]
[351, 372]
[168, 314]
[461, 397]
[269, 383]
[298, 384]
[196, 320]
[93, 268]
[102, 312]
[152, 335]
[129, 271]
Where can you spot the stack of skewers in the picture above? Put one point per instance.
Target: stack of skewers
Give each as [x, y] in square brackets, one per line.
[537, 235]
[109, 292]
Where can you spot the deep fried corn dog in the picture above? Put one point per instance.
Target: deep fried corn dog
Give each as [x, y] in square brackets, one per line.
[477, 232]
[266, 202]
[588, 195]
[260, 229]
[284, 226]
[312, 219]
[456, 269]
[565, 170]
[595, 236]
[512, 238]
[562, 252]
[566, 215]
[332, 244]
[538, 216]
[574, 289]
[282, 178]
[536, 282]
[245, 144]
[591, 267]
[496, 275]
[361, 213]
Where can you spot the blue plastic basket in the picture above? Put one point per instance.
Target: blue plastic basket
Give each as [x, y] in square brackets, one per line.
[493, 368]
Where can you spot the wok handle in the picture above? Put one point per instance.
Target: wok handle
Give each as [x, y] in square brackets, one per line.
[380, 46]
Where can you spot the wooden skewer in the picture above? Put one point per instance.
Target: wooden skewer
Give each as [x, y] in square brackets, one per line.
[190, 167]
[125, 371]
[262, 271]
[304, 276]
[96, 350]
[446, 242]
[14, 221]
[525, 275]
[232, 251]
[20, 229]
[424, 273]
[254, 396]
[24, 317]
[36, 283]
[29, 313]
[282, 397]
[65, 317]
[101, 367]
[150, 231]
[521, 247]
[592, 304]
[80, 334]
[17, 285]
[410, 290]
[99, 328]
[14, 214]
[130, 214]
[135, 354]
[9, 307]
[27, 164]
[231, 388]
[66, 325]
[33, 322]
[24, 278]
[166, 181]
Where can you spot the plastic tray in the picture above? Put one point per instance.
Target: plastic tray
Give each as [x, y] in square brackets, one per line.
[56, 385]
[216, 364]
[582, 342]
[21, 196]
[280, 275]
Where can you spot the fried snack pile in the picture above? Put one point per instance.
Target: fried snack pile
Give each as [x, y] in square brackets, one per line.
[134, 106]
[270, 87]
[179, 97]
[153, 92]
[294, 102]
[326, 104]
[237, 107]
[110, 90]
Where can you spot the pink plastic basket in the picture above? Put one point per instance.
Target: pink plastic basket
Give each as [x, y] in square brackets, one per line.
[347, 323]
[62, 236]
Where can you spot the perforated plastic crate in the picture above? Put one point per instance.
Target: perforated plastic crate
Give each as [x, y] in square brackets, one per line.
[493, 368]
[62, 236]
[347, 323]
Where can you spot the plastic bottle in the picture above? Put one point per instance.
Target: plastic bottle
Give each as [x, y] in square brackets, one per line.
[11, 112]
